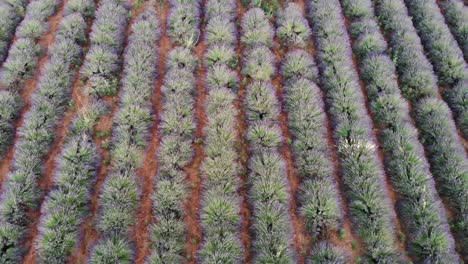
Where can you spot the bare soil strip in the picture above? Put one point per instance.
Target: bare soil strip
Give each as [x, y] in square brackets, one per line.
[150, 164]
[243, 150]
[192, 206]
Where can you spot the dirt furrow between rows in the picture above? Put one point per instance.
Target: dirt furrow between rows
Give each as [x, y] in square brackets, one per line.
[243, 150]
[193, 204]
[150, 164]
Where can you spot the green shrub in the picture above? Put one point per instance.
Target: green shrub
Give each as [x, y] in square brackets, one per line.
[181, 58]
[183, 25]
[10, 102]
[220, 76]
[222, 54]
[220, 30]
[20, 64]
[72, 27]
[299, 64]
[85, 7]
[293, 29]
[225, 8]
[259, 64]
[325, 253]
[9, 19]
[261, 103]
[255, 29]
[112, 250]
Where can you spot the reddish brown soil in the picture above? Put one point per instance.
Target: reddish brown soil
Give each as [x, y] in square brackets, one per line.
[243, 153]
[192, 206]
[150, 164]
[7, 160]
[302, 4]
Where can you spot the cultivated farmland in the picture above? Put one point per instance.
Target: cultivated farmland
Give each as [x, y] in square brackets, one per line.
[233, 131]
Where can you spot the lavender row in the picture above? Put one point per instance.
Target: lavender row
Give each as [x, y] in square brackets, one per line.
[445, 55]
[175, 153]
[318, 194]
[361, 170]
[269, 192]
[120, 195]
[102, 62]
[432, 116]
[220, 212]
[21, 192]
[21, 64]
[177, 126]
[11, 14]
[456, 17]
[184, 22]
[420, 208]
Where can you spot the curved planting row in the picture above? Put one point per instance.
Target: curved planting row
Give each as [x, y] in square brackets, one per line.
[456, 17]
[169, 233]
[433, 118]
[21, 64]
[360, 169]
[220, 217]
[318, 195]
[119, 198]
[429, 237]
[11, 14]
[21, 191]
[269, 192]
[445, 55]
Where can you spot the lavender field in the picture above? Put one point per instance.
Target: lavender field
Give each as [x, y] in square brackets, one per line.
[233, 131]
